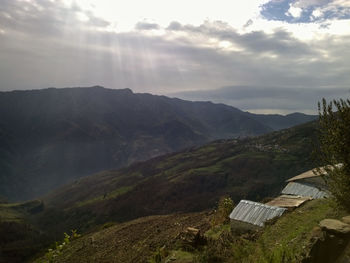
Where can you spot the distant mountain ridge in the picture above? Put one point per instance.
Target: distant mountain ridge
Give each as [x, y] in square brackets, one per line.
[52, 136]
[278, 122]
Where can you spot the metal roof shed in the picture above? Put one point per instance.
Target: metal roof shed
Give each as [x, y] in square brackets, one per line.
[302, 189]
[255, 213]
[307, 175]
[314, 176]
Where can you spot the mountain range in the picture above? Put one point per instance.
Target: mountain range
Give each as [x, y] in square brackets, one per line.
[53, 136]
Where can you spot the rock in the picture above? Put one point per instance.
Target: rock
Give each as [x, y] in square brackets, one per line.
[193, 231]
[325, 246]
[346, 219]
[335, 226]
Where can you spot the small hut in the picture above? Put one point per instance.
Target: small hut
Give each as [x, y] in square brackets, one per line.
[308, 184]
[302, 188]
[255, 213]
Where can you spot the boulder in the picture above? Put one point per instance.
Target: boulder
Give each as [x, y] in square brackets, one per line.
[335, 226]
[325, 246]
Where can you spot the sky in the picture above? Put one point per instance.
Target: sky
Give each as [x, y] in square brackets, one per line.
[264, 56]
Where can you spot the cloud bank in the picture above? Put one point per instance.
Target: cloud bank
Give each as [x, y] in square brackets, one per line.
[60, 43]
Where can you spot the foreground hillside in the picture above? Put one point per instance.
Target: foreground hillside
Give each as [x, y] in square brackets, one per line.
[134, 241]
[52, 136]
[295, 237]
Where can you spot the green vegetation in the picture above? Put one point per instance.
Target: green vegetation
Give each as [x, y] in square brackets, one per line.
[223, 211]
[334, 139]
[217, 231]
[177, 256]
[158, 255]
[106, 196]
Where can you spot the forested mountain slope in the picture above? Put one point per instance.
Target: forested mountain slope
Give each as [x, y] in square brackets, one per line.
[188, 181]
[52, 136]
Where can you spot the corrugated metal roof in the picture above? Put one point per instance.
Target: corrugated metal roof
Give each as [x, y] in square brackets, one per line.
[310, 173]
[288, 201]
[307, 174]
[302, 189]
[255, 213]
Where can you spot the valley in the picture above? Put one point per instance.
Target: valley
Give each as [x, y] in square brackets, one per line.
[191, 180]
[171, 186]
[51, 137]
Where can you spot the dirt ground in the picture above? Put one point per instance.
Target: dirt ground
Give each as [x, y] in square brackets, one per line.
[134, 241]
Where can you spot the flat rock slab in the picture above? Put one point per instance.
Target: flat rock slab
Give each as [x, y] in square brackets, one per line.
[335, 226]
[346, 219]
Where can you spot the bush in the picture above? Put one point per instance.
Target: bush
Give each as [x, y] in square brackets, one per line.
[52, 254]
[221, 215]
[334, 147]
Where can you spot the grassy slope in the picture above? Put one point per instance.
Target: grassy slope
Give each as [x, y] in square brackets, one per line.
[288, 239]
[188, 181]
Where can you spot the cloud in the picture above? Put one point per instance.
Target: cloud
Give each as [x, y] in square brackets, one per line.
[45, 18]
[46, 43]
[277, 43]
[308, 3]
[249, 23]
[268, 99]
[174, 25]
[317, 13]
[306, 11]
[146, 26]
[294, 11]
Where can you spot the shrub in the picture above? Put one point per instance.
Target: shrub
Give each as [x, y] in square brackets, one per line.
[221, 215]
[334, 147]
[53, 253]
